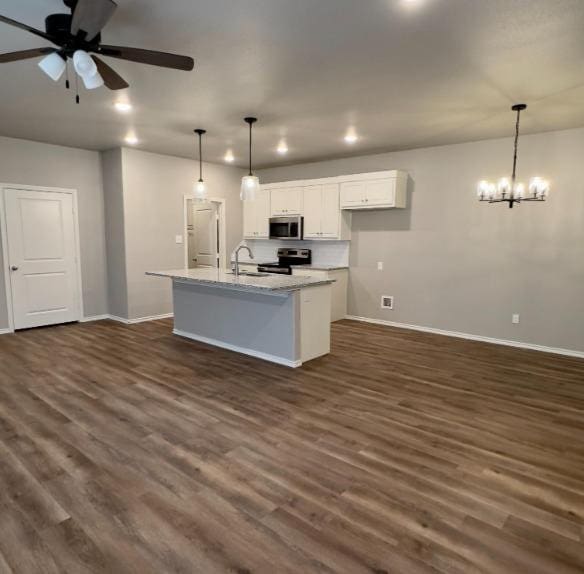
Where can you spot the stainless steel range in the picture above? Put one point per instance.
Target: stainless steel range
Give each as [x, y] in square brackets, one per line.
[287, 258]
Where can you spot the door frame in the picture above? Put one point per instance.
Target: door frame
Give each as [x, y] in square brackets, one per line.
[222, 211]
[4, 238]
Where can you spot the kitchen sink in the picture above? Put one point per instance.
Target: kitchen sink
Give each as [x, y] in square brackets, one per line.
[250, 274]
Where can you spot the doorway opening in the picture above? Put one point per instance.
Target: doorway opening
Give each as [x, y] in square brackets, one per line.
[205, 234]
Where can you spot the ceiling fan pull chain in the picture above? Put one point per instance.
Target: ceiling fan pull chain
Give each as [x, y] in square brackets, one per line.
[67, 84]
[77, 99]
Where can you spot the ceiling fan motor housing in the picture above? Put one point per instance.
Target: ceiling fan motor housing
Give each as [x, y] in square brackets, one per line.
[58, 26]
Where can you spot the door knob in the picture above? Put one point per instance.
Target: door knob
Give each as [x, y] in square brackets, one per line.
[14, 268]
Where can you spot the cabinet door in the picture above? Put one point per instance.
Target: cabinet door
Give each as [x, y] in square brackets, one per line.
[330, 219]
[262, 214]
[352, 193]
[278, 201]
[249, 219]
[287, 201]
[380, 192]
[312, 211]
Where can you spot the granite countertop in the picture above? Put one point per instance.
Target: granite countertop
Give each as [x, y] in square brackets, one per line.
[273, 283]
[319, 267]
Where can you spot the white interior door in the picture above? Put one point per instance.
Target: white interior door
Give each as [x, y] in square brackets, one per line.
[206, 235]
[42, 258]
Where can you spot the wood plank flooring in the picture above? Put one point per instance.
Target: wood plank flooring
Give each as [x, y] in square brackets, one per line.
[125, 449]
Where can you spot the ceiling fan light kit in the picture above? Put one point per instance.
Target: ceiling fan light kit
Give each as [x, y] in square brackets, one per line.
[511, 191]
[78, 37]
[53, 65]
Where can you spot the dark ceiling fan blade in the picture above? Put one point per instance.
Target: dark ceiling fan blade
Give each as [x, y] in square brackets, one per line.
[110, 77]
[25, 27]
[25, 54]
[162, 59]
[90, 16]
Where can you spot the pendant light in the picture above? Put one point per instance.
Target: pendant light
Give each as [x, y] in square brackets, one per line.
[200, 189]
[511, 191]
[250, 184]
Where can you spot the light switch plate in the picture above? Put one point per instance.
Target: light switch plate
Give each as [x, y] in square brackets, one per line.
[178, 239]
[515, 319]
[380, 266]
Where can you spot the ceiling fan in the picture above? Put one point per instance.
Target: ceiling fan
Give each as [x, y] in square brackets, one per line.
[78, 37]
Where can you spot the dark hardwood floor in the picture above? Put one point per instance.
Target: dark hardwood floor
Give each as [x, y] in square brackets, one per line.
[127, 449]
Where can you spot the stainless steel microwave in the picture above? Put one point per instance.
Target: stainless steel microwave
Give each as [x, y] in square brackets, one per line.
[287, 227]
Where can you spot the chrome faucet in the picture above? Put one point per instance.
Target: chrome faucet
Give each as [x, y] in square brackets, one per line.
[236, 268]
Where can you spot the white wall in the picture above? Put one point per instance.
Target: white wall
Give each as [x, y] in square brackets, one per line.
[31, 163]
[456, 264]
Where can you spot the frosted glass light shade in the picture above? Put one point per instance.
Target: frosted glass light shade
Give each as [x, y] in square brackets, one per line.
[250, 185]
[92, 82]
[53, 65]
[84, 64]
[200, 191]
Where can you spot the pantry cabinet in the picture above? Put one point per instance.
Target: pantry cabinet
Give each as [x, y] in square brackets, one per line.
[256, 216]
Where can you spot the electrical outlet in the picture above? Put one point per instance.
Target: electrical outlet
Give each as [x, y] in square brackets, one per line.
[380, 266]
[178, 239]
[515, 319]
[387, 302]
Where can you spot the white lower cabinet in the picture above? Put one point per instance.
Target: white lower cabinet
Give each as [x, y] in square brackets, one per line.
[338, 288]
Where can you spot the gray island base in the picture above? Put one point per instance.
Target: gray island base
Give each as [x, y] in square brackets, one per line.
[282, 319]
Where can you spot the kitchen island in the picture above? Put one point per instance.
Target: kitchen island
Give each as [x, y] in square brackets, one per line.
[279, 318]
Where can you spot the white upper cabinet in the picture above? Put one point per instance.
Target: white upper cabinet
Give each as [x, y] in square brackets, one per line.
[326, 203]
[256, 216]
[375, 191]
[287, 201]
[322, 213]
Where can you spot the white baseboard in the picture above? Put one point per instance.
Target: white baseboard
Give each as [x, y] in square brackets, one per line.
[118, 319]
[139, 319]
[151, 318]
[94, 318]
[243, 350]
[112, 318]
[469, 336]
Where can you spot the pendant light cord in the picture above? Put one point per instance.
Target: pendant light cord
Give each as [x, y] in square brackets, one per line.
[515, 148]
[250, 127]
[200, 156]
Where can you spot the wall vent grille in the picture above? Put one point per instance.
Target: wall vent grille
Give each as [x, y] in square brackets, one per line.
[387, 302]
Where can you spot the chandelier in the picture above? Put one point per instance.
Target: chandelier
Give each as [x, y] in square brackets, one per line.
[512, 191]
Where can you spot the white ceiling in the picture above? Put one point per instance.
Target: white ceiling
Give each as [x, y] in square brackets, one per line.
[404, 73]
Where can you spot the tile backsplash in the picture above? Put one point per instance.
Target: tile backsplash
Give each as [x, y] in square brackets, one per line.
[323, 252]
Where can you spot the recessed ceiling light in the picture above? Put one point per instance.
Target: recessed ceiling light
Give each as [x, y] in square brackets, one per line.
[123, 107]
[131, 139]
[351, 136]
[282, 148]
[229, 157]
